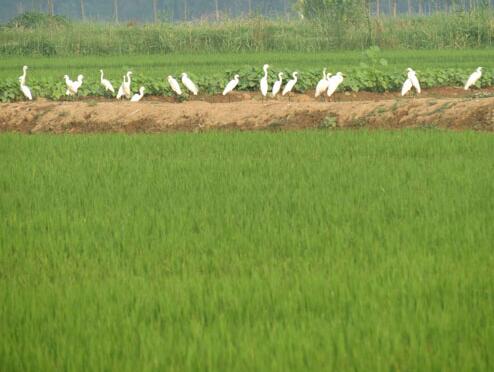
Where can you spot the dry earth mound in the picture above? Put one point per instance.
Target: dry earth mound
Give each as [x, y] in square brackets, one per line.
[246, 113]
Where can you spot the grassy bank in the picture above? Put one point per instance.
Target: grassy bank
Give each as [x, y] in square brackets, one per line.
[458, 31]
[288, 251]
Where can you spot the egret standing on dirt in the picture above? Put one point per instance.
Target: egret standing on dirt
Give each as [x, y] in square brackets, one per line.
[73, 86]
[289, 86]
[106, 83]
[189, 84]
[68, 83]
[174, 85]
[264, 82]
[474, 78]
[24, 89]
[277, 85]
[137, 97]
[323, 84]
[231, 85]
[127, 85]
[78, 83]
[121, 91]
[411, 81]
[334, 82]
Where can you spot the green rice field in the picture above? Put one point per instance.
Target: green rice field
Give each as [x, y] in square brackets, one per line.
[159, 66]
[355, 250]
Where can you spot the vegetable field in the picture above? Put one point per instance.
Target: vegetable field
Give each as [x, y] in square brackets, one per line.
[288, 251]
[372, 70]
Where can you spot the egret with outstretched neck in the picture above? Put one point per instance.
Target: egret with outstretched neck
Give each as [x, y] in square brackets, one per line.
[264, 82]
[289, 86]
[277, 85]
[106, 83]
[127, 85]
[138, 96]
[24, 73]
[472, 80]
[189, 84]
[121, 91]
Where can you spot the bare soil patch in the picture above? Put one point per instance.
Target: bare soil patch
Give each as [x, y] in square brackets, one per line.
[449, 108]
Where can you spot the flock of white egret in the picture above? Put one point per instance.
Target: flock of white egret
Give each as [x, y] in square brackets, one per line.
[328, 84]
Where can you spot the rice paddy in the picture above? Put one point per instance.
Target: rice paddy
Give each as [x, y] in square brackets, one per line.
[159, 66]
[247, 251]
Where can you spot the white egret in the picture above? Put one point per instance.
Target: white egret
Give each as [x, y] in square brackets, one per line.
[264, 82]
[323, 84]
[24, 89]
[174, 85]
[231, 85]
[126, 85]
[474, 78]
[73, 86]
[324, 73]
[78, 83]
[334, 82]
[291, 83]
[189, 84]
[106, 83]
[137, 97]
[411, 81]
[277, 85]
[121, 91]
[69, 83]
[24, 73]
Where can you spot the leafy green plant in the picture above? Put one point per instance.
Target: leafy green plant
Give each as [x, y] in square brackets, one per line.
[371, 72]
[371, 76]
[329, 122]
[32, 20]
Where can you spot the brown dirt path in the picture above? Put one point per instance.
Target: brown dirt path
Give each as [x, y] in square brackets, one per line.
[155, 114]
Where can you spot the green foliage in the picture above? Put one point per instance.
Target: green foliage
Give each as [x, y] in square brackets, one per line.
[309, 251]
[373, 71]
[329, 122]
[340, 11]
[351, 31]
[34, 20]
[369, 77]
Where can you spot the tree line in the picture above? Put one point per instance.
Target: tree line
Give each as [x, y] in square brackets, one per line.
[186, 10]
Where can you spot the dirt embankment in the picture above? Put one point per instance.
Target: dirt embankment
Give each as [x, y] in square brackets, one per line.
[451, 110]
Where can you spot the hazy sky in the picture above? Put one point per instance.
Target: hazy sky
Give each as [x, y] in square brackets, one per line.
[142, 10]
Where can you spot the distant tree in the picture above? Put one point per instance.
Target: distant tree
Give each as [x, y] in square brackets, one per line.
[51, 8]
[115, 10]
[155, 11]
[83, 10]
